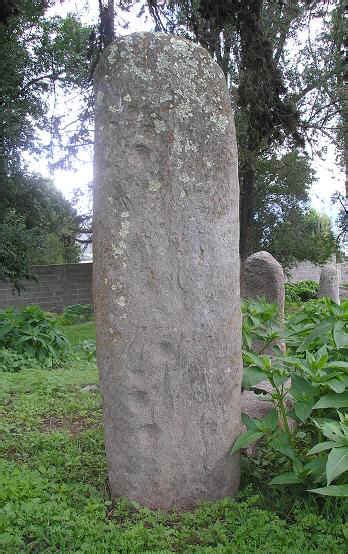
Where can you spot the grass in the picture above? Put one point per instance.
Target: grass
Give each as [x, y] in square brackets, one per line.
[80, 332]
[54, 495]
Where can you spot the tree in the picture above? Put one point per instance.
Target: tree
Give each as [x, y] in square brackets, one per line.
[38, 226]
[15, 246]
[301, 234]
[342, 219]
[39, 57]
[283, 222]
[107, 22]
[278, 102]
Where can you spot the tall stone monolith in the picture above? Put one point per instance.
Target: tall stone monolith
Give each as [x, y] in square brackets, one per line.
[166, 272]
[262, 276]
[329, 284]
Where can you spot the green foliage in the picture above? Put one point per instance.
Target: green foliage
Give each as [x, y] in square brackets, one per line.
[16, 243]
[303, 235]
[309, 384]
[11, 361]
[301, 291]
[284, 224]
[33, 333]
[260, 324]
[286, 87]
[40, 56]
[78, 333]
[54, 496]
[77, 313]
[88, 348]
[37, 226]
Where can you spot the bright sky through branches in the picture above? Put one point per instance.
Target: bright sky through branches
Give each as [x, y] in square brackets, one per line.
[330, 176]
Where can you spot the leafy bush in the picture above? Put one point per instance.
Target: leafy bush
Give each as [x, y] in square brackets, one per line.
[88, 347]
[77, 313]
[84, 351]
[314, 375]
[260, 324]
[12, 362]
[54, 494]
[32, 333]
[301, 291]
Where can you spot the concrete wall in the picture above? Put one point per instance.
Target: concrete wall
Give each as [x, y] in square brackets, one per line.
[307, 270]
[344, 272]
[57, 286]
[63, 285]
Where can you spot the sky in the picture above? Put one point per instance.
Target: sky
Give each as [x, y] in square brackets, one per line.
[330, 178]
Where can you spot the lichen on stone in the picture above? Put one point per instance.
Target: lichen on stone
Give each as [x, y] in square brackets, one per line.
[115, 109]
[121, 301]
[114, 53]
[99, 98]
[124, 228]
[154, 186]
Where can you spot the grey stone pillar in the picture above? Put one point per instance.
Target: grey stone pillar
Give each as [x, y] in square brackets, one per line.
[263, 277]
[166, 271]
[328, 284]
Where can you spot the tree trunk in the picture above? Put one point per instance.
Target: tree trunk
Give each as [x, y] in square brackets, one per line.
[107, 22]
[247, 179]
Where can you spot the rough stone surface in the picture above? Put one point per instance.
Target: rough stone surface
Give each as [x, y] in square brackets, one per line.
[167, 272]
[254, 405]
[328, 284]
[263, 277]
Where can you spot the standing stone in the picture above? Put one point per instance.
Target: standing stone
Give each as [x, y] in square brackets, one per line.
[167, 272]
[263, 277]
[328, 284]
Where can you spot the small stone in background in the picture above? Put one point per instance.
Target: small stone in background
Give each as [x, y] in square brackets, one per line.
[328, 284]
[263, 277]
[90, 388]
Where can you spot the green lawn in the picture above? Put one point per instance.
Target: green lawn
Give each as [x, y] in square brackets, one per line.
[54, 495]
[77, 333]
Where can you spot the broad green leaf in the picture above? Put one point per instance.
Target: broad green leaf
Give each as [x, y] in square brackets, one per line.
[340, 334]
[337, 385]
[322, 357]
[252, 359]
[280, 379]
[252, 376]
[337, 463]
[332, 490]
[320, 331]
[296, 362]
[338, 365]
[300, 388]
[331, 429]
[248, 422]
[304, 409]
[289, 478]
[332, 400]
[266, 362]
[245, 439]
[316, 468]
[321, 446]
[269, 423]
[282, 444]
[298, 466]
